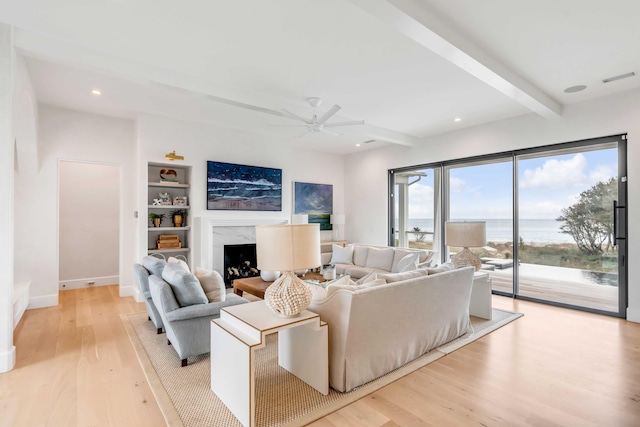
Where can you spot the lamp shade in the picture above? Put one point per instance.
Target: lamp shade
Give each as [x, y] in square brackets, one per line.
[466, 233]
[288, 247]
[299, 219]
[337, 219]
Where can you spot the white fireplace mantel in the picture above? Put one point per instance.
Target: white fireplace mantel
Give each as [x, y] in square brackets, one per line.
[213, 233]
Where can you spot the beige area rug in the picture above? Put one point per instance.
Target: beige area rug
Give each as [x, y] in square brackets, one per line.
[185, 397]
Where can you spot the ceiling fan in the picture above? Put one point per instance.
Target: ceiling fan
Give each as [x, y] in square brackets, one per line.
[319, 124]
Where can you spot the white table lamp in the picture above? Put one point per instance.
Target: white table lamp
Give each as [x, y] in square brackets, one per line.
[337, 221]
[466, 234]
[285, 248]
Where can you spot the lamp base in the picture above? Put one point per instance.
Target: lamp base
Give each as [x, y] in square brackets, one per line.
[288, 296]
[465, 257]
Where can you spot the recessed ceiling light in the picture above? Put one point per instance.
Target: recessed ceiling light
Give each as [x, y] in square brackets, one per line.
[457, 119]
[574, 89]
[96, 92]
[357, 145]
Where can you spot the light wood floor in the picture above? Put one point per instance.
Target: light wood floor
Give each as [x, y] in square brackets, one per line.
[552, 367]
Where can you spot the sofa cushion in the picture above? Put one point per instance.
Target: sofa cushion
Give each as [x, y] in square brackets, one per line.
[319, 290]
[153, 265]
[380, 258]
[212, 283]
[359, 272]
[398, 277]
[447, 266]
[185, 285]
[407, 263]
[373, 283]
[360, 253]
[183, 264]
[342, 255]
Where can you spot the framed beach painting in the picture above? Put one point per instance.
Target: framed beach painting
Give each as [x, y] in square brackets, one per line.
[244, 188]
[315, 200]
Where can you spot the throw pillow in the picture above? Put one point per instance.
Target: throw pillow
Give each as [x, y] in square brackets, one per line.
[407, 263]
[447, 266]
[380, 258]
[368, 278]
[185, 285]
[183, 264]
[342, 255]
[153, 264]
[397, 277]
[373, 283]
[360, 253]
[212, 284]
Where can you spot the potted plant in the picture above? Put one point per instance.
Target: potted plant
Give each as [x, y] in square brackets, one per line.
[156, 218]
[179, 216]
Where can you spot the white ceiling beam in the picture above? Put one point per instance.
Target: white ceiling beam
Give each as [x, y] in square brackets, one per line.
[425, 27]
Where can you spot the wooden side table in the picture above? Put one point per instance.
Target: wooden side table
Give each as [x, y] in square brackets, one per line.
[241, 330]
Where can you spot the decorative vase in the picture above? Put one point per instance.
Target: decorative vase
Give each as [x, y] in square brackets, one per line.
[288, 296]
[177, 220]
[156, 222]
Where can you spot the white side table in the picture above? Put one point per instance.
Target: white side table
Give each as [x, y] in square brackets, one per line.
[241, 330]
[480, 304]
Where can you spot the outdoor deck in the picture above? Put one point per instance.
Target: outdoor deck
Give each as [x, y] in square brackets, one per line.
[563, 285]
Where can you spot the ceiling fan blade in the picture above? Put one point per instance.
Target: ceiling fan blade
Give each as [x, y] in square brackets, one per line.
[331, 132]
[303, 133]
[350, 123]
[295, 116]
[328, 114]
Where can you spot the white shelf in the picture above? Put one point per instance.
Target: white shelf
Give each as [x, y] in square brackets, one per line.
[168, 207]
[157, 251]
[169, 228]
[165, 185]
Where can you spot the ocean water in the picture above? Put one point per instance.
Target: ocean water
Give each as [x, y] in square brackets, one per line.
[501, 230]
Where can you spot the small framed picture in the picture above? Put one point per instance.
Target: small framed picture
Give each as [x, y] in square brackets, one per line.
[165, 198]
[180, 201]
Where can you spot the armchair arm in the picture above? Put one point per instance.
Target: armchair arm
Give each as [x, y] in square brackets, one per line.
[211, 309]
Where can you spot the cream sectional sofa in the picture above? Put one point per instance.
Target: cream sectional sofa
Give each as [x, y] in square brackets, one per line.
[376, 329]
[364, 259]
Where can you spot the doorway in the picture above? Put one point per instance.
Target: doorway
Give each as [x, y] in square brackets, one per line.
[89, 224]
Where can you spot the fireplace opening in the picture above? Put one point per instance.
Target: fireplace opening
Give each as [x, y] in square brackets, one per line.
[239, 262]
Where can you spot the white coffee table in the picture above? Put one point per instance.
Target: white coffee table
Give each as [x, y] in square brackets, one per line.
[241, 330]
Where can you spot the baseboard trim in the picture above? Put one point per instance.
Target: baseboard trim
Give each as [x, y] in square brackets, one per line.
[43, 301]
[64, 285]
[8, 360]
[129, 291]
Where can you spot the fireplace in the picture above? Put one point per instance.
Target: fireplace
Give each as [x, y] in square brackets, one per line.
[213, 234]
[239, 262]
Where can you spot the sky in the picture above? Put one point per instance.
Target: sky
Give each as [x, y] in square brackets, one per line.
[547, 184]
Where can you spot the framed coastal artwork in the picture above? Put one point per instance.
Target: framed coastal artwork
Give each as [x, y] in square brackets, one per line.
[243, 188]
[315, 200]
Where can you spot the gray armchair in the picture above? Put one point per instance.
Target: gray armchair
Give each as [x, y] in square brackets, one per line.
[188, 328]
[141, 275]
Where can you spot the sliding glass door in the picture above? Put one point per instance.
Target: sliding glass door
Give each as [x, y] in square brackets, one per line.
[567, 248]
[483, 191]
[555, 219]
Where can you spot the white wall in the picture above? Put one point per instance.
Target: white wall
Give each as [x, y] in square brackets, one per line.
[366, 173]
[69, 135]
[199, 143]
[89, 212]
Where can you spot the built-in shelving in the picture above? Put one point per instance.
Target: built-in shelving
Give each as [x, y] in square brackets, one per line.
[180, 189]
